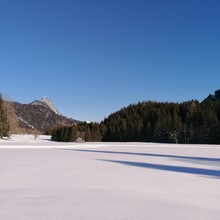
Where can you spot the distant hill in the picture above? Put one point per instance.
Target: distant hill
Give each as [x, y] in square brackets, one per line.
[214, 97]
[40, 115]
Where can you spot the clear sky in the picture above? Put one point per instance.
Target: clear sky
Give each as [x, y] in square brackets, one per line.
[93, 57]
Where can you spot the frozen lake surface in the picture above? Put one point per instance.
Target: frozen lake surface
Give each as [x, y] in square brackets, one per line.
[43, 180]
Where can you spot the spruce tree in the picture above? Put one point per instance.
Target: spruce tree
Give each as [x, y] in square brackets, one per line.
[4, 124]
[72, 135]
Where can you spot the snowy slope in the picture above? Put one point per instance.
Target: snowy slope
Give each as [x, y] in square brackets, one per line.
[108, 181]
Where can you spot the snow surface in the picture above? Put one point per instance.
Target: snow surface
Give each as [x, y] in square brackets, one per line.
[45, 180]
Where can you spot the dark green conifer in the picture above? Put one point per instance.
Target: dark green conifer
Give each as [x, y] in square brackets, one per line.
[4, 124]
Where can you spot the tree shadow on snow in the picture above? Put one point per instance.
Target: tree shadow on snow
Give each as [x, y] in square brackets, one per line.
[178, 169]
[204, 160]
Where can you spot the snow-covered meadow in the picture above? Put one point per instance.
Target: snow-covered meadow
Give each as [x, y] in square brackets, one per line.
[43, 180]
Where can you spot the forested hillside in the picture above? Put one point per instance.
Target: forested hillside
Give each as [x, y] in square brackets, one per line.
[187, 122]
[38, 115]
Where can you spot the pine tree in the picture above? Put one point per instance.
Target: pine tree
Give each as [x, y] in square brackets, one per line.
[88, 135]
[4, 124]
[72, 135]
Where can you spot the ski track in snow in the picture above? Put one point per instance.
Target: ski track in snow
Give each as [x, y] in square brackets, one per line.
[43, 180]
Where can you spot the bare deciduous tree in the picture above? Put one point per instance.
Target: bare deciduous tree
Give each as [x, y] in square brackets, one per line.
[12, 118]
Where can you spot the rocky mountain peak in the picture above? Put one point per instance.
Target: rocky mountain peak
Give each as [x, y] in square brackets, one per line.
[215, 96]
[41, 115]
[46, 101]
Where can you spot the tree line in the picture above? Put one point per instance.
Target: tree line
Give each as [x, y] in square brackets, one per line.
[86, 131]
[187, 122]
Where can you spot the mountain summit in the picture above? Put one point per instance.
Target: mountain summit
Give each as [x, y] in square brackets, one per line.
[50, 105]
[40, 115]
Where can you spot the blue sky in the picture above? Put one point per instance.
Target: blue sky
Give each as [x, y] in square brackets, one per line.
[93, 57]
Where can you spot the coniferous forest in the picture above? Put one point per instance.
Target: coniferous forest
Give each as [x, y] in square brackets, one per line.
[187, 122]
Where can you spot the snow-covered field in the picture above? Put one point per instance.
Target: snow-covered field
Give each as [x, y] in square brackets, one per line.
[44, 180]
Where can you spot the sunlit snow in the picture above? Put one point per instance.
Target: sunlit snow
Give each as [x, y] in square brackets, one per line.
[41, 179]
